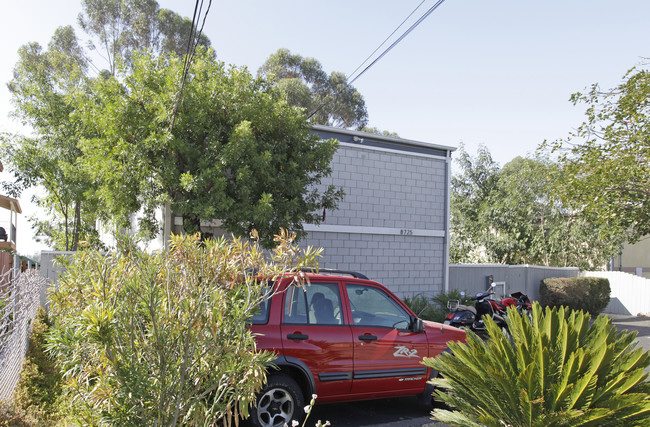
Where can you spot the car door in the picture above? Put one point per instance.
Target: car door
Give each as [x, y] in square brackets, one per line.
[316, 332]
[387, 353]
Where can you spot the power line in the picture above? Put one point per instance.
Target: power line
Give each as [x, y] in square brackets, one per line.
[387, 38]
[388, 49]
[192, 43]
[396, 42]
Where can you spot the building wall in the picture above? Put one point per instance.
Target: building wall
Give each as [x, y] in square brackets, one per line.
[634, 258]
[407, 265]
[391, 225]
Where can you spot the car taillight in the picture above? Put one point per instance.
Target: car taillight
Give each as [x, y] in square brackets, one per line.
[450, 316]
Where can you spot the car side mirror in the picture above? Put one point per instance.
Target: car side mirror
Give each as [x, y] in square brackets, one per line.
[418, 325]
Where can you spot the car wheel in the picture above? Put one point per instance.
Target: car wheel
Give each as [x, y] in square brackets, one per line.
[279, 402]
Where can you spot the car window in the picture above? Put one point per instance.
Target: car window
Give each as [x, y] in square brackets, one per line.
[316, 304]
[373, 307]
[261, 316]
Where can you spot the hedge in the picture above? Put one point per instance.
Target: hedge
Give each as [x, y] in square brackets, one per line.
[590, 294]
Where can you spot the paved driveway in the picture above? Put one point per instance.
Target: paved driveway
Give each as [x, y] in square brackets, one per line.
[635, 323]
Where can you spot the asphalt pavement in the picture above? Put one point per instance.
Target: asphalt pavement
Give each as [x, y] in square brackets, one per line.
[641, 324]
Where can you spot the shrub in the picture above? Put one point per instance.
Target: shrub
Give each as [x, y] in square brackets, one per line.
[39, 387]
[590, 294]
[161, 339]
[11, 416]
[435, 308]
[554, 369]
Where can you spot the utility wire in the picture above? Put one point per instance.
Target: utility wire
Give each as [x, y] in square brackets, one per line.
[388, 49]
[387, 38]
[192, 43]
[396, 42]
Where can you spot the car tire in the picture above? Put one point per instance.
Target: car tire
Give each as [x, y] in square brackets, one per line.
[280, 401]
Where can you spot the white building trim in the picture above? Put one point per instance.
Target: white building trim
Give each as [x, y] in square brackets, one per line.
[327, 228]
[391, 151]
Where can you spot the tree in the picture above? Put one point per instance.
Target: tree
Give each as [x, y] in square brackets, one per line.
[43, 89]
[329, 100]
[605, 160]
[535, 227]
[237, 151]
[375, 130]
[46, 89]
[122, 27]
[512, 215]
[470, 191]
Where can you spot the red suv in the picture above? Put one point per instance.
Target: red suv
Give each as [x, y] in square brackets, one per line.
[343, 337]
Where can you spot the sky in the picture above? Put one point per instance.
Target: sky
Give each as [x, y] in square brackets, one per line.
[496, 73]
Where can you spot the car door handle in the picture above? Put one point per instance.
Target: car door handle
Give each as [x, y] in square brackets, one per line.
[297, 337]
[368, 337]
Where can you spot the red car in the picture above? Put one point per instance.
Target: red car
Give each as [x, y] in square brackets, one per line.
[344, 338]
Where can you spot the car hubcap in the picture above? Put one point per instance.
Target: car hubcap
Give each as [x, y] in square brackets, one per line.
[275, 408]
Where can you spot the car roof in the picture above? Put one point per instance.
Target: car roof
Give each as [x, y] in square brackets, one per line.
[334, 272]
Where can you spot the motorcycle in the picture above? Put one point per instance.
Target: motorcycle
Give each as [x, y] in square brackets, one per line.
[472, 317]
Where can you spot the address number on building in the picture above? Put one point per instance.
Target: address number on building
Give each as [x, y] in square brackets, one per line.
[406, 232]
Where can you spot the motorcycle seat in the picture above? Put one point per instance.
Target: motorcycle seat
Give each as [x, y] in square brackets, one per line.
[461, 307]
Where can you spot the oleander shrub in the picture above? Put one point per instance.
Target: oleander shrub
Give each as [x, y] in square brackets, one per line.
[161, 339]
[555, 368]
[590, 294]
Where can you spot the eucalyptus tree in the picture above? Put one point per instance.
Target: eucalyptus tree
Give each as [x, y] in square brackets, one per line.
[328, 99]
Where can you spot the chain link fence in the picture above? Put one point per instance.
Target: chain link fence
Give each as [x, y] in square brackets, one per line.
[19, 300]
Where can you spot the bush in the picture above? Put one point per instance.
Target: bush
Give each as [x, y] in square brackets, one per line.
[590, 294]
[161, 339]
[39, 387]
[435, 309]
[11, 416]
[554, 368]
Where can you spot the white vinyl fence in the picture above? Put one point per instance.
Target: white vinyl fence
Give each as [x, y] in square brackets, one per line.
[630, 294]
[19, 301]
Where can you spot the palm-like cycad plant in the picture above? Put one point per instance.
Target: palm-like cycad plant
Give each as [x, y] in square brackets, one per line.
[554, 369]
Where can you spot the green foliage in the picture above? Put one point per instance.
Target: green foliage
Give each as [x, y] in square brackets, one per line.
[605, 160]
[590, 294]
[127, 142]
[329, 99]
[11, 416]
[375, 130]
[42, 88]
[556, 369]
[48, 88]
[161, 339]
[122, 27]
[237, 151]
[512, 215]
[435, 309]
[40, 385]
